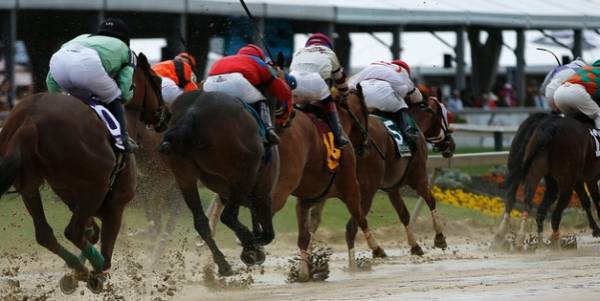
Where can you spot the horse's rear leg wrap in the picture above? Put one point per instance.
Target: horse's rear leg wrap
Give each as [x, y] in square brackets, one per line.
[95, 258]
[437, 226]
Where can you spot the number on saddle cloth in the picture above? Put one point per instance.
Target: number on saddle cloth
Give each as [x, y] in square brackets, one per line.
[111, 123]
[402, 147]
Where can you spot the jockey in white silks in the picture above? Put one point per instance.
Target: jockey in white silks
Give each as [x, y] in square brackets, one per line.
[556, 77]
[387, 87]
[315, 67]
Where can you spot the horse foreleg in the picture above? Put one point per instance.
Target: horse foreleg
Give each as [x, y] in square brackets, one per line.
[111, 224]
[302, 211]
[423, 191]
[530, 187]
[404, 216]
[586, 204]
[214, 212]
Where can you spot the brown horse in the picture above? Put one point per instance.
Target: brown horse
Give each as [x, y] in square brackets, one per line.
[234, 164]
[382, 168]
[567, 150]
[57, 139]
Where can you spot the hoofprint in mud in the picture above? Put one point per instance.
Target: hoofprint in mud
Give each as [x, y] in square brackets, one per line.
[467, 270]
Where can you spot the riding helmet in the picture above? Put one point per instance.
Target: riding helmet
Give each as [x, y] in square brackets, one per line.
[252, 50]
[115, 28]
[187, 56]
[319, 39]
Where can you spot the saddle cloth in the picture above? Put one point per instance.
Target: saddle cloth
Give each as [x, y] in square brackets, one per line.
[402, 147]
[111, 123]
[332, 153]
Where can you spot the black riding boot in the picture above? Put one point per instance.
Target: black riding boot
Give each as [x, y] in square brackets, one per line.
[408, 129]
[116, 108]
[265, 115]
[333, 120]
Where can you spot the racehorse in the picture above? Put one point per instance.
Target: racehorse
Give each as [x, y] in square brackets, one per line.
[236, 166]
[382, 168]
[546, 154]
[58, 139]
[516, 176]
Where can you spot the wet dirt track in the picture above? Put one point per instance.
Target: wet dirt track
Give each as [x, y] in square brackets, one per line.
[467, 271]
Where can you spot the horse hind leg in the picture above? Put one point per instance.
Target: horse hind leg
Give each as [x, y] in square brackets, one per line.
[404, 216]
[563, 201]
[595, 195]
[304, 237]
[587, 206]
[549, 197]
[316, 211]
[510, 204]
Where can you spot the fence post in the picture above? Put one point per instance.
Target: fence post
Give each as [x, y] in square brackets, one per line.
[498, 141]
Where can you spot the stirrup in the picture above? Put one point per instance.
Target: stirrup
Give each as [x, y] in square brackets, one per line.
[272, 137]
[131, 146]
[340, 142]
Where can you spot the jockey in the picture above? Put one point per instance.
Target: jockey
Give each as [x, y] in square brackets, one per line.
[244, 75]
[98, 66]
[177, 76]
[580, 92]
[315, 66]
[557, 77]
[387, 87]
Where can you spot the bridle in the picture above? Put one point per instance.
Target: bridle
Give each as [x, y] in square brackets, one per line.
[440, 120]
[160, 113]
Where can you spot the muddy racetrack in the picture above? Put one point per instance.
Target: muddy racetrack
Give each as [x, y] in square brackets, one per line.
[468, 270]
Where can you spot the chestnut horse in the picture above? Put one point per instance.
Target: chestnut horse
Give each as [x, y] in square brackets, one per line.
[59, 140]
[233, 163]
[382, 168]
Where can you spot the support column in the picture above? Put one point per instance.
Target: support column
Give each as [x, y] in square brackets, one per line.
[520, 72]
[396, 47]
[198, 39]
[343, 45]
[577, 43]
[9, 38]
[174, 43]
[460, 79]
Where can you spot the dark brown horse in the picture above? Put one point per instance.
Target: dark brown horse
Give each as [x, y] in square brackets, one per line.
[516, 176]
[57, 139]
[215, 139]
[382, 168]
[567, 150]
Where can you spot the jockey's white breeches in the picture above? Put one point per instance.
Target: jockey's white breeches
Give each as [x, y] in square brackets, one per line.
[310, 87]
[380, 95]
[79, 71]
[234, 84]
[573, 98]
[169, 89]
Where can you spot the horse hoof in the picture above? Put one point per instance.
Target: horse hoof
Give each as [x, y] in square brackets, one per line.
[96, 283]
[68, 284]
[249, 256]
[260, 255]
[379, 253]
[303, 272]
[225, 270]
[416, 250]
[596, 233]
[440, 241]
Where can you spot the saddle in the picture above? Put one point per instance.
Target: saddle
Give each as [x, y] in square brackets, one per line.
[332, 153]
[402, 147]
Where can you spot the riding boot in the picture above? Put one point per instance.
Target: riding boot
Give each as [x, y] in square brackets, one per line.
[265, 115]
[333, 120]
[407, 127]
[116, 108]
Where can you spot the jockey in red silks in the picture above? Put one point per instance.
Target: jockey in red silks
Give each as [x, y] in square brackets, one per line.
[244, 75]
[177, 76]
[315, 67]
[387, 87]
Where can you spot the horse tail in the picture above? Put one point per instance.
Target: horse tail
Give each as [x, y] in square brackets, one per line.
[11, 162]
[518, 147]
[544, 135]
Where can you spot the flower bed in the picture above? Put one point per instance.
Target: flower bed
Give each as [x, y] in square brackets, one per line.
[492, 206]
